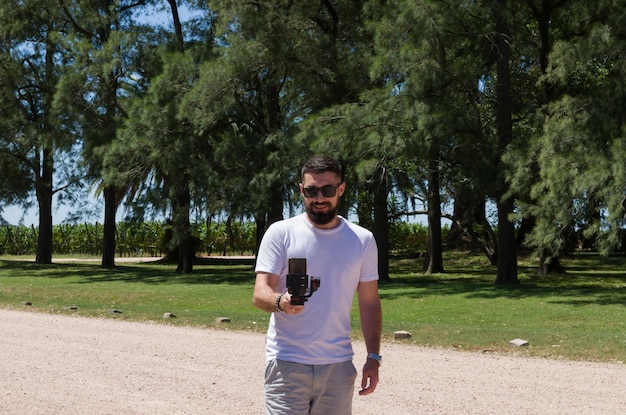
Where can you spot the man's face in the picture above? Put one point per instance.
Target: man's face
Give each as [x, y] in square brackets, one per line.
[322, 208]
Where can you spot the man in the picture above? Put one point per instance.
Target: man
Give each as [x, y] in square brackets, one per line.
[309, 367]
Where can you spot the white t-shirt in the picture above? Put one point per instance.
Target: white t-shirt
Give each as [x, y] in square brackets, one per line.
[341, 257]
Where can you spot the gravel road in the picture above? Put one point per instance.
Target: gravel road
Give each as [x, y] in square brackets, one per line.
[53, 364]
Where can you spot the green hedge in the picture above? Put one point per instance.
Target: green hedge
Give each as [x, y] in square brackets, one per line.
[149, 239]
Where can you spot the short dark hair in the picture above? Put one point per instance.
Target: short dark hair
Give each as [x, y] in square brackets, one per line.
[322, 164]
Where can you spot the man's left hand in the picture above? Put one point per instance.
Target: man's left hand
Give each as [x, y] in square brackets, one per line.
[370, 377]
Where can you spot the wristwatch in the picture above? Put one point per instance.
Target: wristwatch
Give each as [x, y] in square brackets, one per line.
[376, 357]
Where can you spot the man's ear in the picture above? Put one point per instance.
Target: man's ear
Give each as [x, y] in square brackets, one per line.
[341, 188]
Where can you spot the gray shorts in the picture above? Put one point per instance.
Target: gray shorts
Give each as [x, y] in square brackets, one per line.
[298, 389]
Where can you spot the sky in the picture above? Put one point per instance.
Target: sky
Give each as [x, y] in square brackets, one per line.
[92, 211]
[13, 215]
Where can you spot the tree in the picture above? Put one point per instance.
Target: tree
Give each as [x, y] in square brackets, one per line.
[31, 64]
[424, 54]
[507, 250]
[157, 151]
[279, 62]
[569, 124]
[331, 80]
[534, 45]
[17, 180]
[101, 39]
[580, 155]
[238, 102]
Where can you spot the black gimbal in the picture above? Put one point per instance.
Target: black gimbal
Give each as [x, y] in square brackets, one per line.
[299, 284]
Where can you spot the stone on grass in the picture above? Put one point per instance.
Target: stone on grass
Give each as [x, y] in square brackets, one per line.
[169, 315]
[222, 320]
[518, 342]
[401, 335]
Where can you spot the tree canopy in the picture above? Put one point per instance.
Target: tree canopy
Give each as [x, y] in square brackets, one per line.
[435, 107]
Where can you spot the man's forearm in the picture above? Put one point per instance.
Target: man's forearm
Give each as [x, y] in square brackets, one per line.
[266, 301]
[265, 294]
[371, 323]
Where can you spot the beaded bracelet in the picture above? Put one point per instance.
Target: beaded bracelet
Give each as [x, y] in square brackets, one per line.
[278, 307]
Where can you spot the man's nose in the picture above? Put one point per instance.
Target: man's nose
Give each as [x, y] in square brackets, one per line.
[319, 196]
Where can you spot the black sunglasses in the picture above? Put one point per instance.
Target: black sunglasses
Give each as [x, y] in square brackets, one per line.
[327, 191]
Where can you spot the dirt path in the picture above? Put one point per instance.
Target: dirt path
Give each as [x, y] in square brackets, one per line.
[54, 364]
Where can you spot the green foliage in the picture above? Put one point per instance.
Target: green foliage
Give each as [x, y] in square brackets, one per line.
[15, 185]
[569, 161]
[407, 238]
[149, 239]
[139, 239]
[236, 238]
[17, 240]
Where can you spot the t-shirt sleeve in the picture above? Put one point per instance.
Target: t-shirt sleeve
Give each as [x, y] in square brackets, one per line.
[369, 269]
[270, 257]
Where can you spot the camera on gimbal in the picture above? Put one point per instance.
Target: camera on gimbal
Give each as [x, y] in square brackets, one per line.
[299, 284]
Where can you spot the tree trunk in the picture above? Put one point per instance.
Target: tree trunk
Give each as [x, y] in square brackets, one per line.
[526, 226]
[470, 226]
[44, 176]
[182, 230]
[364, 208]
[261, 225]
[44, 237]
[186, 255]
[275, 210]
[43, 187]
[507, 250]
[507, 253]
[274, 113]
[263, 220]
[548, 266]
[435, 249]
[178, 28]
[109, 231]
[381, 223]
[111, 199]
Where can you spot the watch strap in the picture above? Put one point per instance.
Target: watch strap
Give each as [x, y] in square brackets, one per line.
[376, 357]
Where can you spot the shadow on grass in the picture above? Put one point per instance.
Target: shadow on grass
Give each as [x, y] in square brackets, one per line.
[599, 282]
[589, 280]
[147, 273]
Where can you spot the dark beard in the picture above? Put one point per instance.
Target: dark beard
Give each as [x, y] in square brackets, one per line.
[321, 218]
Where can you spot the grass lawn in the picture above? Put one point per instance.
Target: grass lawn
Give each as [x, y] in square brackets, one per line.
[578, 315]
